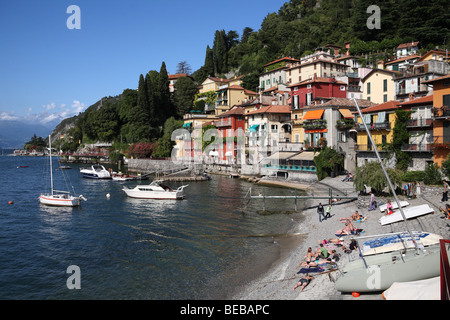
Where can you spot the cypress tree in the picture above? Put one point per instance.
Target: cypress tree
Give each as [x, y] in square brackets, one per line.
[166, 106]
[209, 61]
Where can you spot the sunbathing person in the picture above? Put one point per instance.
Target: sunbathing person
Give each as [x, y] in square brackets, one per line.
[316, 263]
[446, 211]
[309, 255]
[303, 282]
[355, 217]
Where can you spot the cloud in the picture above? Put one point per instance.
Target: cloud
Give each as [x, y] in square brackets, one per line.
[50, 106]
[8, 116]
[52, 114]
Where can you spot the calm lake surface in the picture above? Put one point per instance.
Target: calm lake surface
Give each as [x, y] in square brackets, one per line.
[203, 247]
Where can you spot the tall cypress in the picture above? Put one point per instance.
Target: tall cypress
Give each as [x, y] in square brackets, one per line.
[166, 105]
[209, 61]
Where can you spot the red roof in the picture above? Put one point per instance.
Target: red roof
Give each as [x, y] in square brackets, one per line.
[318, 79]
[390, 105]
[232, 111]
[437, 79]
[425, 99]
[282, 59]
[408, 44]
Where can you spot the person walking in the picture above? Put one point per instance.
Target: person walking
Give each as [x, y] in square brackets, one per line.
[445, 193]
[320, 212]
[328, 211]
[372, 202]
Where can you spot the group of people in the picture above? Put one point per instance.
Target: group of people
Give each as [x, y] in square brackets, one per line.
[446, 211]
[412, 189]
[322, 257]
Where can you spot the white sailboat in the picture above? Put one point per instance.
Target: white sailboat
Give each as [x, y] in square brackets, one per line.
[55, 197]
[377, 272]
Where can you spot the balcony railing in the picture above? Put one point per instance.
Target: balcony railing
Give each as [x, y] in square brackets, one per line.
[314, 124]
[367, 147]
[441, 142]
[223, 123]
[345, 124]
[420, 147]
[441, 112]
[374, 126]
[419, 123]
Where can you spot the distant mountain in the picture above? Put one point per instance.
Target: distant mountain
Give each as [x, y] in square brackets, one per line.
[14, 134]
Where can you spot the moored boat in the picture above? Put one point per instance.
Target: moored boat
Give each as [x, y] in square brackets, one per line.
[155, 190]
[95, 172]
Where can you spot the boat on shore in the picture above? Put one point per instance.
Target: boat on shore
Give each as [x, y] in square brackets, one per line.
[155, 190]
[95, 172]
[58, 198]
[411, 212]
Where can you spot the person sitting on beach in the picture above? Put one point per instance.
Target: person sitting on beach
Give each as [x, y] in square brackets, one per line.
[309, 255]
[389, 208]
[322, 252]
[303, 282]
[349, 229]
[446, 211]
[355, 217]
[335, 200]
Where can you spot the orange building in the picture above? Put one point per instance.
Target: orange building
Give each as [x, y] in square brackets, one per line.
[441, 117]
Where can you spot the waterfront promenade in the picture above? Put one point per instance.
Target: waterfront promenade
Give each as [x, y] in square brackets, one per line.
[278, 281]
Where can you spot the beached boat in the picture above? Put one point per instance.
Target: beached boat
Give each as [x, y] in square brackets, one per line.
[377, 272]
[95, 172]
[58, 198]
[398, 241]
[429, 289]
[412, 212]
[383, 207]
[155, 190]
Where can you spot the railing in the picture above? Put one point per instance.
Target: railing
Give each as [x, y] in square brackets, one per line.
[366, 147]
[445, 270]
[292, 168]
[441, 142]
[441, 112]
[345, 124]
[374, 126]
[314, 124]
[419, 122]
[421, 147]
[223, 123]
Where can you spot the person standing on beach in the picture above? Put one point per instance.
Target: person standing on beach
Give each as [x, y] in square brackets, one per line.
[445, 193]
[328, 211]
[372, 202]
[320, 212]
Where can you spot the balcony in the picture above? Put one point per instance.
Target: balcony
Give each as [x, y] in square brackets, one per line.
[367, 148]
[421, 147]
[441, 112]
[223, 123]
[345, 124]
[374, 126]
[314, 124]
[441, 142]
[413, 123]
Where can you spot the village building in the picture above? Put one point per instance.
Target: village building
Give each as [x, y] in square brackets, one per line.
[378, 86]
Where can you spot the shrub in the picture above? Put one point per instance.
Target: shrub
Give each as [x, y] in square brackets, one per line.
[411, 176]
[432, 175]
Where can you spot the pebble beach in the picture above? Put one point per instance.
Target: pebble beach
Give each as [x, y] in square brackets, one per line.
[277, 283]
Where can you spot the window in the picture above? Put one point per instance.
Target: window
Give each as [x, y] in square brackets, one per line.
[446, 100]
[383, 139]
[315, 66]
[385, 98]
[368, 87]
[342, 88]
[385, 85]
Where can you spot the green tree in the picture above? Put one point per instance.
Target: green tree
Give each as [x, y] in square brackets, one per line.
[400, 137]
[165, 143]
[371, 175]
[165, 104]
[184, 95]
[328, 161]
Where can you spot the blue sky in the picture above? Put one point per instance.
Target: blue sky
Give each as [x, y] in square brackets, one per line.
[49, 71]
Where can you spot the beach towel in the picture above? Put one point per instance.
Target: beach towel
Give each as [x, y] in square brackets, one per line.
[310, 270]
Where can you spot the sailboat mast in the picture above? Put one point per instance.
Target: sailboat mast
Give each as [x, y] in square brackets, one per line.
[50, 157]
[386, 175]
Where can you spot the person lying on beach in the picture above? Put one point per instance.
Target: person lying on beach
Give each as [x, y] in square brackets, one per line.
[303, 282]
[349, 229]
[316, 263]
[355, 217]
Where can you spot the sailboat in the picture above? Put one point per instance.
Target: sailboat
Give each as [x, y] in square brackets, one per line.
[55, 197]
[377, 272]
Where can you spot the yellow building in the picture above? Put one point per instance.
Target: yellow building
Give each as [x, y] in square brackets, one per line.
[314, 69]
[297, 125]
[380, 120]
[232, 95]
[378, 86]
[441, 117]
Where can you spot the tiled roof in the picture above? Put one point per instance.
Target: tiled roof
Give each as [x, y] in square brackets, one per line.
[318, 79]
[346, 102]
[271, 109]
[282, 59]
[403, 59]
[408, 44]
[425, 99]
[437, 79]
[178, 75]
[232, 111]
[390, 105]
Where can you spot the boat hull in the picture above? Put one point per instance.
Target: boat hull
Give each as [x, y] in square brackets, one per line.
[411, 212]
[59, 201]
[385, 269]
[157, 195]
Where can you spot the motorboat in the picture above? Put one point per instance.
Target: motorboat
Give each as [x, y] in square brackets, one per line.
[95, 172]
[155, 190]
[55, 197]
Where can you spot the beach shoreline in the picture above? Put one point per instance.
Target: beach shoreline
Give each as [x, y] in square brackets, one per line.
[277, 283]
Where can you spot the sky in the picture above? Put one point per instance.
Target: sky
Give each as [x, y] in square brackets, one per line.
[49, 71]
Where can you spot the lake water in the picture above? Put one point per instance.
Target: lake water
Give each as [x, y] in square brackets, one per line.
[203, 247]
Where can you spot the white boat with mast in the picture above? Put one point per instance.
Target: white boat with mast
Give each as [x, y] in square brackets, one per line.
[55, 197]
[377, 272]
